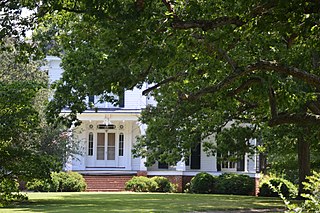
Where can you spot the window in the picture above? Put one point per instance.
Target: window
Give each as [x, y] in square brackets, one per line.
[100, 146]
[162, 165]
[90, 144]
[121, 144]
[111, 149]
[91, 99]
[225, 162]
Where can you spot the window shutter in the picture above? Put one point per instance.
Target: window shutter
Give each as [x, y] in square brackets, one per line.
[196, 157]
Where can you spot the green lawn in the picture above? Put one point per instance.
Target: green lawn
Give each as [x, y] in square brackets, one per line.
[138, 202]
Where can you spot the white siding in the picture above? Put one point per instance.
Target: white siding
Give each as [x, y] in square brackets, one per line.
[54, 68]
[133, 99]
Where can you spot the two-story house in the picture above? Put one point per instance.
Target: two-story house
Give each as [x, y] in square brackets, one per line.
[108, 133]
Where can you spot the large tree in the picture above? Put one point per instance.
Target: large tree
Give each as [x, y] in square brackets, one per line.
[29, 147]
[209, 62]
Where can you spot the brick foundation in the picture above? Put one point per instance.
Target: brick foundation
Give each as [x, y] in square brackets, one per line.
[142, 173]
[256, 186]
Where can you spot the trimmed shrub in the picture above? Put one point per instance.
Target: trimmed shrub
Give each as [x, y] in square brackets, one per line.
[202, 183]
[62, 181]
[141, 184]
[163, 184]
[287, 188]
[69, 181]
[238, 184]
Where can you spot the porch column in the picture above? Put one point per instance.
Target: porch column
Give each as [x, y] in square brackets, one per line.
[181, 166]
[143, 128]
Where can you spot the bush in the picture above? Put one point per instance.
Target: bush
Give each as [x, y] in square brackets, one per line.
[39, 185]
[163, 184]
[141, 184]
[9, 192]
[62, 181]
[286, 188]
[237, 184]
[68, 181]
[203, 183]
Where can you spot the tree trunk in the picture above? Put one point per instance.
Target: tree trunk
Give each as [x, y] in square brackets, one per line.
[304, 162]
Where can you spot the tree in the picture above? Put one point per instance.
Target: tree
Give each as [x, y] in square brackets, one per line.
[29, 147]
[210, 62]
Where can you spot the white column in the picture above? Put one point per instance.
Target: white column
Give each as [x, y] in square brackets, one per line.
[143, 128]
[181, 166]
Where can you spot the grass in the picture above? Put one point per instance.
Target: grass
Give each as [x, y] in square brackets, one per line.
[138, 202]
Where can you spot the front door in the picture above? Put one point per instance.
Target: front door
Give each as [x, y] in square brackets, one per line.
[106, 150]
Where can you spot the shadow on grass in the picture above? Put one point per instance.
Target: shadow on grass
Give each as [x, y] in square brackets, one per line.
[139, 202]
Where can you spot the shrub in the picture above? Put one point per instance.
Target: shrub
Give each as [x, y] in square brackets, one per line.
[62, 181]
[286, 188]
[202, 183]
[39, 185]
[238, 184]
[9, 192]
[141, 184]
[69, 181]
[163, 184]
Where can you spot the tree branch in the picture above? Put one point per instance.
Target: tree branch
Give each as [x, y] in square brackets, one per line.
[272, 103]
[301, 119]
[293, 71]
[168, 5]
[309, 78]
[246, 85]
[165, 81]
[207, 24]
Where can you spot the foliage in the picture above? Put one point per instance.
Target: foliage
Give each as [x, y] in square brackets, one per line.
[237, 184]
[163, 184]
[206, 63]
[154, 184]
[62, 182]
[286, 188]
[29, 147]
[203, 183]
[141, 184]
[40, 185]
[311, 201]
[9, 192]
[227, 183]
[235, 63]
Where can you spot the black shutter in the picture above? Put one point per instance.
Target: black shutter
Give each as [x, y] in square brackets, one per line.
[121, 99]
[218, 162]
[91, 99]
[240, 164]
[196, 157]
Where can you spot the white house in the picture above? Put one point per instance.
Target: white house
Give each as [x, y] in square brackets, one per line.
[108, 134]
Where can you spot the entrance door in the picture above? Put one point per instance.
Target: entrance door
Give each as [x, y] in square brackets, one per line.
[106, 155]
[111, 149]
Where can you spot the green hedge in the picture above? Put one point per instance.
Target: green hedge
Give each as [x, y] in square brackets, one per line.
[287, 188]
[62, 181]
[227, 183]
[145, 184]
[237, 184]
[163, 184]
[203, 183]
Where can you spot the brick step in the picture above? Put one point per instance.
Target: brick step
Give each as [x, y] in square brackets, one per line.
[106, 183]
